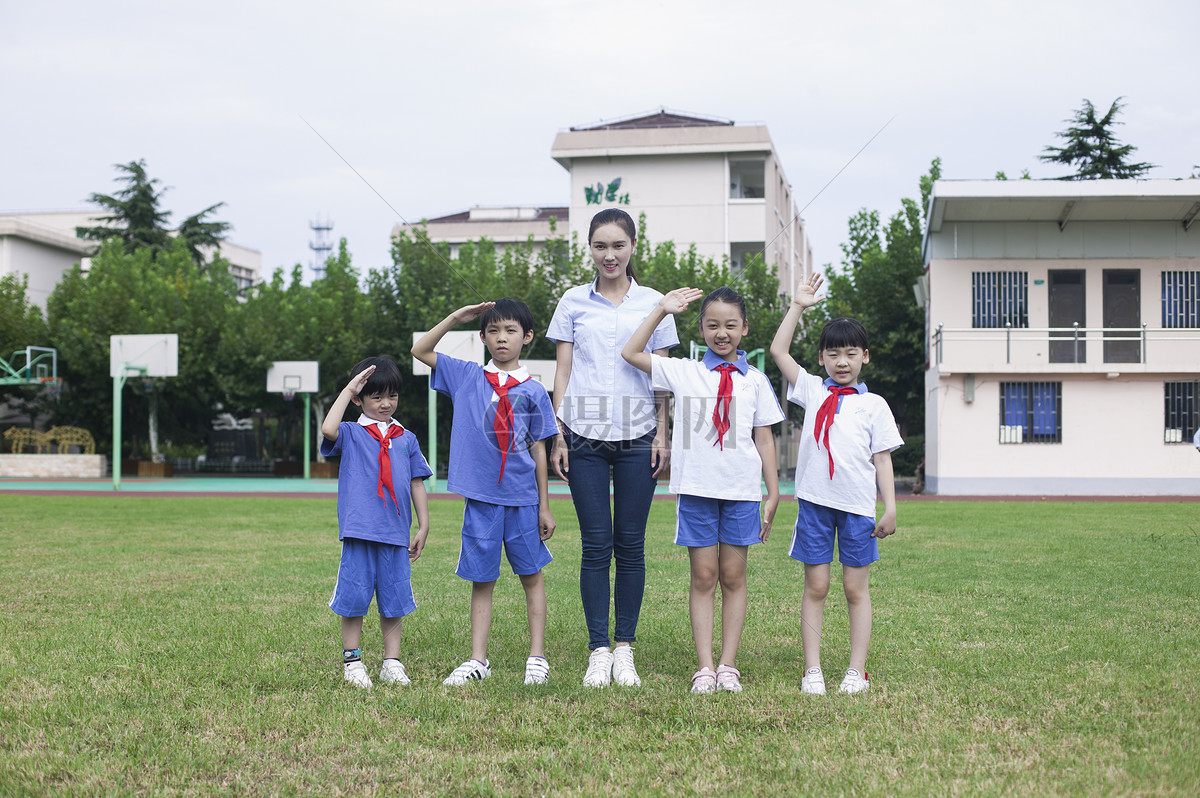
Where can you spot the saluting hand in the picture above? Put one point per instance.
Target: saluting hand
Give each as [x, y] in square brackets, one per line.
[676, 302]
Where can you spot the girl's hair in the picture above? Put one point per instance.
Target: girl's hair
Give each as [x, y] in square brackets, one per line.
[385, 379]
[724, 294]
[508, 310]
[618, 217]
[841, 332]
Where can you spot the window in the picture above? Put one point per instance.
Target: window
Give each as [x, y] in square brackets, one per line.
[742, 254]
[1181, 411]
[1181, 299]
[1030, 412]
[747, 179]
[999, 299]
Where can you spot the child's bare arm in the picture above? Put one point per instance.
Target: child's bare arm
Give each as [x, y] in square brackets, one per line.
[546, 523]
[422, 350]
[673, 303]
[764, 441]
[329, 427]
[805, 296]
[886, 477]
[420, 504]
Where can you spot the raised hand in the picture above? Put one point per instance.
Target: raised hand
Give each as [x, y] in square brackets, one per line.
[676, 302]
[806, 291]
[469, 312]
[360, 379]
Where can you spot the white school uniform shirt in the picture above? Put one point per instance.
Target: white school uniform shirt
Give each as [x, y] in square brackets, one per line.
[606, 398]
[863, 426]
[699, 467]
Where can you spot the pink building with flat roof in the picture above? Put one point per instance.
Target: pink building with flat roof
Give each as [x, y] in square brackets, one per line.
[1063, 337]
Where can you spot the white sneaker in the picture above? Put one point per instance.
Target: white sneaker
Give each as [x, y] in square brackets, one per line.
[392, 672]
[704, 681]
[537, 670]
[471, 670]
[854, 682]
[600, 665]
[356, 674]
[623, 671]
[813, 682]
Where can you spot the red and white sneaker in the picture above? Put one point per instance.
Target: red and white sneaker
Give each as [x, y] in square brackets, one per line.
[854, 682]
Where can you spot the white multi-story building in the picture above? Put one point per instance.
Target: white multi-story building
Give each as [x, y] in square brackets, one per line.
[43, 246]
[699, 180]
[504, 226]
[1063, 337]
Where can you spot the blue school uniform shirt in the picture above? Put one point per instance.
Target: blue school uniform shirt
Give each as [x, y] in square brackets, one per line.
[474, 453]
[361, 513]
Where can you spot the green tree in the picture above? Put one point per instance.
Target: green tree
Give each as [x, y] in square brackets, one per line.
[135, 218]
[879, 266]
[21, 325]
[1092, 148]
[326, 321]
[21, 322]
[127, 293]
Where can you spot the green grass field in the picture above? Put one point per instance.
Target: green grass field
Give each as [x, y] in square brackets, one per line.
[184, 646]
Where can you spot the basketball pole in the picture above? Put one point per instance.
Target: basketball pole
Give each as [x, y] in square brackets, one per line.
[432, 409]
[118, 386]
[307, 432]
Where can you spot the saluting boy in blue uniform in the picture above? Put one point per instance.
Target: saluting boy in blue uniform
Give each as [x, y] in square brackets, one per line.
[498, 464]
[380, 484]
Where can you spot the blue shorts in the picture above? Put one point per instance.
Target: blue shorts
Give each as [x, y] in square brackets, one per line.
[370, 568]
[488, 526]
[701, 521]
[812, 540]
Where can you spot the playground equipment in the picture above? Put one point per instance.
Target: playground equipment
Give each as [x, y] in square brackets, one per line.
[35, 365]
[155, 355]
[291, 377]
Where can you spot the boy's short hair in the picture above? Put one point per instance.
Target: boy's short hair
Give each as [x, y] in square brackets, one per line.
[508, 310]
[385, 379]
[841, 332]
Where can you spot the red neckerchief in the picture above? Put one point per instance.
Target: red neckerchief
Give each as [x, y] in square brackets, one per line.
[720, 417]
[503, 420]
[825, 416]
[385, 460]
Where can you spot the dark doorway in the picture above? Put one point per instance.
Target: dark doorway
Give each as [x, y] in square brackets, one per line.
[1122, 309]
[1068, 307]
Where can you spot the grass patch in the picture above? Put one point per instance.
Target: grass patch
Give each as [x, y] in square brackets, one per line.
[184, 646]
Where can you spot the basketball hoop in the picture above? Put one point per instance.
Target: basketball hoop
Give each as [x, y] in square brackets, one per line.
[289, 396]
[55, 384]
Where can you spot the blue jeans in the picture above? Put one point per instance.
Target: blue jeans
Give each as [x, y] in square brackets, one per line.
[605, 535]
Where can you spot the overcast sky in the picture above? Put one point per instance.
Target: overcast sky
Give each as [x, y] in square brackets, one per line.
[444, 105]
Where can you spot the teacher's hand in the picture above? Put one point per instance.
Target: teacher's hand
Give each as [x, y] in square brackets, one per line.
[559, 458]
[660, 455]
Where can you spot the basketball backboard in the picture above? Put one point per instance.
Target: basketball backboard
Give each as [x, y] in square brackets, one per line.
[461, 344]
[155, 355]
[293, 376]
[542, 371]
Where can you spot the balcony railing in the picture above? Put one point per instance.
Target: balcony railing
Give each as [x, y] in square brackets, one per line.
[977, 348]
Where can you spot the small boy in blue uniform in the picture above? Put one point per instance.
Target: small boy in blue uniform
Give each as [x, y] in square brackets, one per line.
[498, 464]
[380, 485]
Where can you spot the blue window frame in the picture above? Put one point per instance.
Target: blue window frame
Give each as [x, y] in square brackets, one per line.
[1180, 299]
[1031, 412]
[999, 299]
